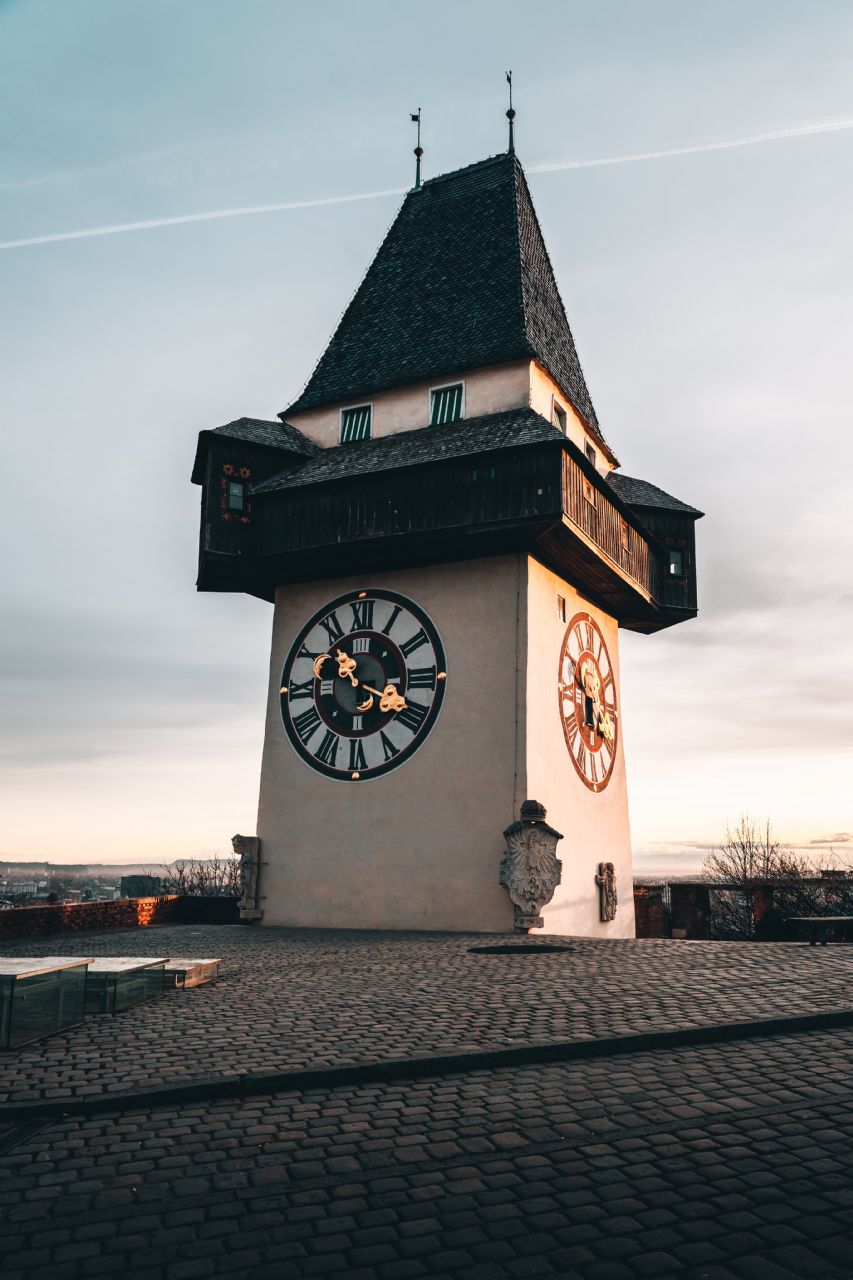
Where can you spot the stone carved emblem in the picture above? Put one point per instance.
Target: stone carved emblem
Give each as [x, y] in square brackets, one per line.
[248, 850]
[530, 870]
[606, 881]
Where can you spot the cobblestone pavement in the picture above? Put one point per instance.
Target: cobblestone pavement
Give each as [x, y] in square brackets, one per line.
[720, 1162]
[293, 999]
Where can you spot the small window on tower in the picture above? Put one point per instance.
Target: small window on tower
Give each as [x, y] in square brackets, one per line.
[356, 423]
[589, 492]
[590, 453]
[445, 404]
[561, 608]
[676, 563]
[558, 417]
[236, 495]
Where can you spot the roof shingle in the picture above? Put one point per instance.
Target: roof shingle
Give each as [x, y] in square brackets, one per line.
[462, 280]
[281, 435]
[276, 435]
[409, 448]
[640, 493]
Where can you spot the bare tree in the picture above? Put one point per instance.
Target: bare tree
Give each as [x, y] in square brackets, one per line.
[751, 864]
[213, 877]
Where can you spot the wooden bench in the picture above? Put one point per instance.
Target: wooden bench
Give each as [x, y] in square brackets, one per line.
[819, 926]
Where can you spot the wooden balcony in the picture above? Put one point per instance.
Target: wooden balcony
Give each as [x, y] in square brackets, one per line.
[545, 498]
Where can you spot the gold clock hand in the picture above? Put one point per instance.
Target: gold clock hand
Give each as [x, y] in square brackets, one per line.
[366, 705]
[318, 663]
[389, 698]
[346, 666]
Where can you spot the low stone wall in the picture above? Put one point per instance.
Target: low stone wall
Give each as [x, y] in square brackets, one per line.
[121, 913]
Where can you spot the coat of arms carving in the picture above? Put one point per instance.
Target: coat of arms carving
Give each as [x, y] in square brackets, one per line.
[530, 870]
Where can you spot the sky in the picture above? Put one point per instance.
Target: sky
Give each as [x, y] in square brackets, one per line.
[707, 271]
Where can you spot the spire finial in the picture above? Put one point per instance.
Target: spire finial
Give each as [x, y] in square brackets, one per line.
[416, 119]
[510, 115]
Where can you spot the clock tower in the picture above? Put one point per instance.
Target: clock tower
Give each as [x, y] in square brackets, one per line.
[451, 552]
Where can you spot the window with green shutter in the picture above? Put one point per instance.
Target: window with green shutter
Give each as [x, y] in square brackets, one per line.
[445, 404]
[355, 424]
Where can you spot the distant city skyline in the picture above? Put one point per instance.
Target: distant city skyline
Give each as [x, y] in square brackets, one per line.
[691, 171]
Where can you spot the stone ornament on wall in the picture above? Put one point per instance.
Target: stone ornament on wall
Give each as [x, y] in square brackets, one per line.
[248, 850]
[606, 881]
[530, 870]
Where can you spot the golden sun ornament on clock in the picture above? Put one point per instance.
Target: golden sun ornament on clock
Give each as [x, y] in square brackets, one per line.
[587, 697]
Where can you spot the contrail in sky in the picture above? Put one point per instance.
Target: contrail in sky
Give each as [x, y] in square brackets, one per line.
[119, 227]
[799, 131]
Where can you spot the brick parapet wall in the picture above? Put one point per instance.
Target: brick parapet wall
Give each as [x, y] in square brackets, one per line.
[690, 910]
[121, 913]
[648, 911]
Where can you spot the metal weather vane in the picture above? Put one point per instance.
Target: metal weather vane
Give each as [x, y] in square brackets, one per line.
[416, 119]
[510, 115]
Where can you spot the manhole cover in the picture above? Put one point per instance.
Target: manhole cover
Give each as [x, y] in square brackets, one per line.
[517, 948]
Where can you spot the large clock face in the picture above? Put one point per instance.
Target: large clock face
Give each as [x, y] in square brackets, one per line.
[587, 695]
[362, 685]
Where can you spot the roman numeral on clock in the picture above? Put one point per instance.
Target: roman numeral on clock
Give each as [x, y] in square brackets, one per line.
[301, 689]
[306, 723]
[422, 678]
[395, 613]
[388, 747]
[332, 627]
[361, 644]
[305, 652]
[362, 615]
[328, 748]
[414, 642]
[357, 759]
[412, 716]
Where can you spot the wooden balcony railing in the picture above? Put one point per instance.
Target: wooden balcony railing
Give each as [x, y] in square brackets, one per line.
[591, 510]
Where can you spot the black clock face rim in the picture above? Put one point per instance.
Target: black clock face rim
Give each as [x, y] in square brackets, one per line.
[324, 709]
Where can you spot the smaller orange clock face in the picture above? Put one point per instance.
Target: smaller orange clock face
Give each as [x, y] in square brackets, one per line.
[587, 696]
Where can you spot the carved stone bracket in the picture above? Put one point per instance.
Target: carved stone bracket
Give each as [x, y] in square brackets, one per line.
[606, 881]
[530, 870]
[248, 850]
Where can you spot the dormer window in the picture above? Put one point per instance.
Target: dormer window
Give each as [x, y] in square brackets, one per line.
[590, 453]
[446, 404]
[356, 423]
[558, 416]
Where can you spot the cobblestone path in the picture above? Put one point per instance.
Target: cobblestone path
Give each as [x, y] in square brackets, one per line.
[722, 1162]
[291, 999]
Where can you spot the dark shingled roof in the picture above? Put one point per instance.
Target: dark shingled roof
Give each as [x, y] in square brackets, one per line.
[427, 444]
[639, 493]
[281, 435]
[276, 435]
[462, 280]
